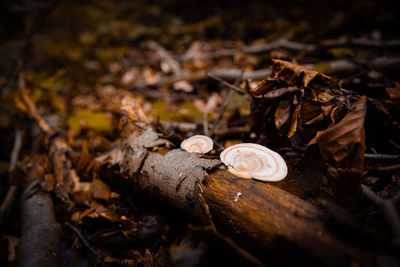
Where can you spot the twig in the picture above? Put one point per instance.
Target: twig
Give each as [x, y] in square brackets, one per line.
[361, 42]
[82, 238]
[360, 232]
[391, 168]
[16, 148]
[242, 252]
[181, 126]
[205, 118]
[381, 156]
[227, 100]
[280, 43]
[388, 208]
[164, 55]
[237, 89]
[227, 74]
[232, 74]
[394, 144]
[12, 190]
[8, 202]
[33, 112]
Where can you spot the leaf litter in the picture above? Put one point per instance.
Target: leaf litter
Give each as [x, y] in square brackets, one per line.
[87, 58]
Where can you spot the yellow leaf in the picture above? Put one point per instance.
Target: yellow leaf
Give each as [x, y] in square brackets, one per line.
[86, 118]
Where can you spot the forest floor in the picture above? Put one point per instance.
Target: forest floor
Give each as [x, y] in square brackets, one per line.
[317, 82]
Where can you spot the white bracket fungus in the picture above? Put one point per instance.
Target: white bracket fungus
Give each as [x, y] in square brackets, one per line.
[255, 161]
[198, 144]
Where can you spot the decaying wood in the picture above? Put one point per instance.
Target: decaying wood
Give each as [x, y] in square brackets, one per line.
[7, 203]
[280, 43]
[226, 74]
[39, 244]
[40, 232]
[262, 218]
[389, 210]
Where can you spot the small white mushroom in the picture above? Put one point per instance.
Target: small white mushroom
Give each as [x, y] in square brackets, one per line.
[255, 161]
[197, 144]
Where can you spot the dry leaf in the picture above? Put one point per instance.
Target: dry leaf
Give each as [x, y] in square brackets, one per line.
[295, 117]
[291, 73]
[340, 140]
[282, 115]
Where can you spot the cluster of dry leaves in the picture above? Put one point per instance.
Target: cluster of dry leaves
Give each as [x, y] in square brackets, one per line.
[310, 108]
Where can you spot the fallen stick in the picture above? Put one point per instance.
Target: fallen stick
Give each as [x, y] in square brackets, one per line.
[280, 43]
[226, 74]
[7, 203]
[82, 238]
[40, 232]
[389, 210]
[39, 244]
[266, 220]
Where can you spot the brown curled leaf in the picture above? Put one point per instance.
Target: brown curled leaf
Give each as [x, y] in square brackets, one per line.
[341, 140]
[295, 118]
[291, 73]
[282, 115]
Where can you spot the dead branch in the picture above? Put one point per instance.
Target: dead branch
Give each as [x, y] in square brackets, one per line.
[40, 232]
[265, 219]
[227, 101]
[7, 203]
[173, 65]
[231, 86]
[388, 208]
[390, 168]
[12, 190]
[34, 113]
[381, 156]
[280, 43]
[226, 74]
[16, 148]
[39, 244]
[361, 42]
[82, 238]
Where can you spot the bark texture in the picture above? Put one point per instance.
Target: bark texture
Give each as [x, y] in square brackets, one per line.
[278, 227]
[40, 232]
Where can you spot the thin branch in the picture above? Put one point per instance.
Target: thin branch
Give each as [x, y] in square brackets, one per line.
[227, 101]
[388, 208]
[166, 57]
[7, 203]
[34, 113]
[381, 156]
[16, 148]
[391, 168]
[237, 89]
[82, 238]
[280, 43]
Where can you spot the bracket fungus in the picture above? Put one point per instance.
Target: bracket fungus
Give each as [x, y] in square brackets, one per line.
[255, 161]
[198, 144]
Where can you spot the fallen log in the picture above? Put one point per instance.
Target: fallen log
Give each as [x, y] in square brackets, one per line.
[39, 245]
[278, 227]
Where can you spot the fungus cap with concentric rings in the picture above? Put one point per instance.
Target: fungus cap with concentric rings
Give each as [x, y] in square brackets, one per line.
[198, 144]
[248, 160]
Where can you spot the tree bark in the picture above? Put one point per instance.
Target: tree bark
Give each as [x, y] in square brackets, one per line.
[278, 227]
[39, 245]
